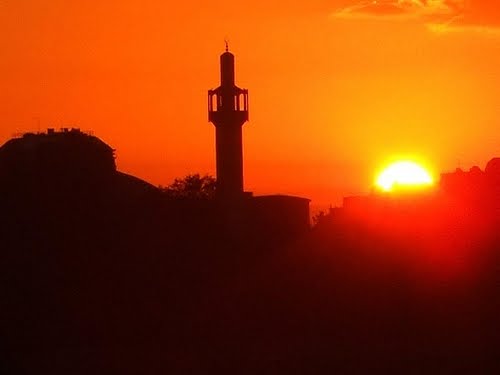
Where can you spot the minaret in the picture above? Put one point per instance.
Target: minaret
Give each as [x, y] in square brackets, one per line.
[228, 111]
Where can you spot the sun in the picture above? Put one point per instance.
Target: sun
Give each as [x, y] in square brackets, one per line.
[404, 174]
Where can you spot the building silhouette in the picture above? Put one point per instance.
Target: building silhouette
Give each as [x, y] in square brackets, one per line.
[469, 200]
[77, 165]
[281, 215]
[57, 153]
[64, 161]
[228, 111]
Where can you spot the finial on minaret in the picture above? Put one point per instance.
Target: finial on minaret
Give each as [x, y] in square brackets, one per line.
[227, 45]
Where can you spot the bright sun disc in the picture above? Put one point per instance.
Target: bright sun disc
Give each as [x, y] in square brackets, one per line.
[406, 174]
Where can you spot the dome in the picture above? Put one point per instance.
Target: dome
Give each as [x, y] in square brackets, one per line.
[493, 167]
[69, 152]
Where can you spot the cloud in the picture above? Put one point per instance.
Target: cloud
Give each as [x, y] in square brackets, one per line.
[399, 9]
[439, 15]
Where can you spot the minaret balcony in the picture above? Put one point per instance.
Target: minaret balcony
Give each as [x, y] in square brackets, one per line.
[228, 103]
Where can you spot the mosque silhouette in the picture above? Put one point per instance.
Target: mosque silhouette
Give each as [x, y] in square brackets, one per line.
[82, 159]
[104, 273]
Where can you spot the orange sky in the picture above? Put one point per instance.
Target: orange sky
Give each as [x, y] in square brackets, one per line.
[337, 88]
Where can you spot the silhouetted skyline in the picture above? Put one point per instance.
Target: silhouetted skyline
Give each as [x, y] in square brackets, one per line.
[336, 90]
[105, 272]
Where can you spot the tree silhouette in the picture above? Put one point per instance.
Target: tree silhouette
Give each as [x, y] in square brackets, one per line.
[318, 218]
[192, 186]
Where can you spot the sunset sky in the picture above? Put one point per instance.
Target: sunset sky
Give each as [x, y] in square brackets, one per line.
[337, 88]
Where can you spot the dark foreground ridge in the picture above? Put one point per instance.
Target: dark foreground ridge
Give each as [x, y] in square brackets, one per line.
[102, 273]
